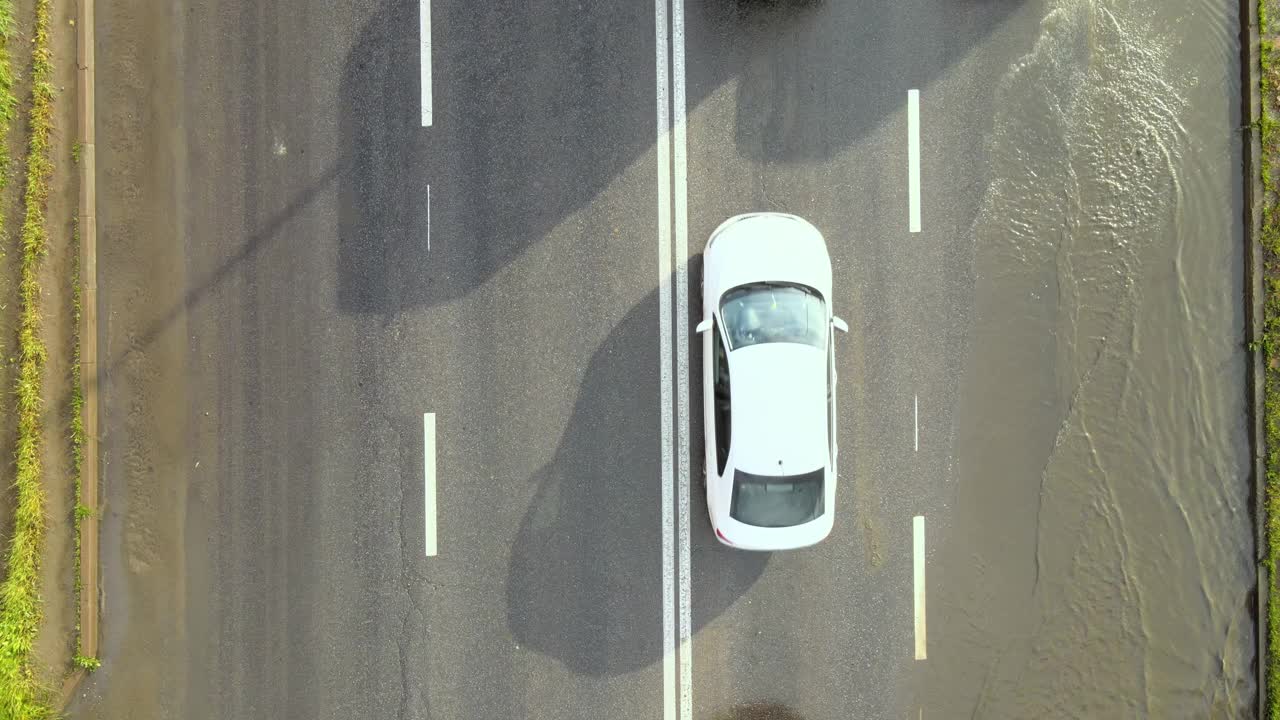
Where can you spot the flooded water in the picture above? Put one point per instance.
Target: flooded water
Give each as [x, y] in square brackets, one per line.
[1098, 560]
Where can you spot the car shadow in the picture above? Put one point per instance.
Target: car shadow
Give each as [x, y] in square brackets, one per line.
[585, 580]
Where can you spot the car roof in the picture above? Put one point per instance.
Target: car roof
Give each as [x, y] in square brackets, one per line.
[778, 393]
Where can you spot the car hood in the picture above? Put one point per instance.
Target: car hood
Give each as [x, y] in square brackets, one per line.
[779, 397]
[768, 248]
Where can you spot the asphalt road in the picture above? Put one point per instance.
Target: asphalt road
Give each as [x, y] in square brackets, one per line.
[344, 270]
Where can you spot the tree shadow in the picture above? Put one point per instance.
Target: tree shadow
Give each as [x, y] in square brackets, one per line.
[513, 176]
[585, 580]
[813, 78]
[532, 121]
[526, 130]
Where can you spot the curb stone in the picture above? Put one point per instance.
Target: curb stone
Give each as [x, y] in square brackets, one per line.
[87, 220]
[1251, 111]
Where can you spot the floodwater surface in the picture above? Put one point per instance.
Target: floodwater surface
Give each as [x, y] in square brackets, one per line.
[1098, 559]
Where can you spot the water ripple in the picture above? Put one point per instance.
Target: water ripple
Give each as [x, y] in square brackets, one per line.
[1111, 229]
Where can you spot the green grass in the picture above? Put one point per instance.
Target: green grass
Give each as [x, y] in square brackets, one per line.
[20, 611]
[1269, 133]
[77, 443]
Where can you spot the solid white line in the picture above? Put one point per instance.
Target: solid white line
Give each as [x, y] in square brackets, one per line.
[917, 423]
[663, 147]
[429, 473]
[913, 156]
[918, 527]
[428, 217]
[681, 199]
[424, 34]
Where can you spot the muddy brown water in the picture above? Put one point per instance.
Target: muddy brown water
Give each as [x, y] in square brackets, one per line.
[1098, 562]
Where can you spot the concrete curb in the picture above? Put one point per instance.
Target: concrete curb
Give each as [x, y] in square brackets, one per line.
[88, 335]
[87, 220]
[1251, 111]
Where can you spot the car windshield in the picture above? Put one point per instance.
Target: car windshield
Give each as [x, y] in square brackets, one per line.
[781, 501]
[772, 312]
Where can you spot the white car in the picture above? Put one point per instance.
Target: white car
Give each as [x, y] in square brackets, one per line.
[769, 378]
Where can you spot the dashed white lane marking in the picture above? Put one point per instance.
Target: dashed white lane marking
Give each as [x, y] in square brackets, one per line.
[429, 477]
[913, 156]
[663, 147]
[424, 34]
[681, 200]
[918, 527]
[917, 423]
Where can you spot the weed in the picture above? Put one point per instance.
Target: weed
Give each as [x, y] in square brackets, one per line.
[20, 610]
[88, 663]
[1269, 135]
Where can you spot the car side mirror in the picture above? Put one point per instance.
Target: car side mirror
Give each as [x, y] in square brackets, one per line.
[839, 324]
[703, 326]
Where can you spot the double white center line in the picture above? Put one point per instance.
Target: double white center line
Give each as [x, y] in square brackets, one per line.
[673, 201]
[667, 422]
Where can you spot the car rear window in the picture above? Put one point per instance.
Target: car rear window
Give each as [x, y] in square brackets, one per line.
[777, 501]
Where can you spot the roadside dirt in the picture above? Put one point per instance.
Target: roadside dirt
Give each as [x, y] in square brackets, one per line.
[56, 644]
